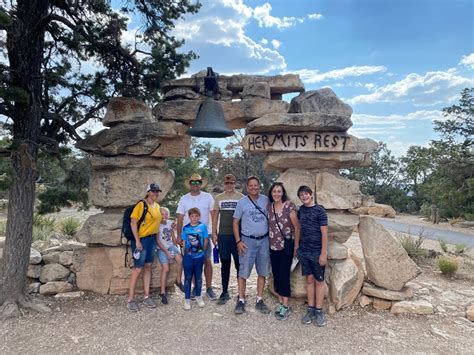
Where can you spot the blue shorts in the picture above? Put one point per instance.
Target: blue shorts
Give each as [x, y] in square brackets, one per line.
[147, 254]
[310, 266]
[162, 255]
[258, 253]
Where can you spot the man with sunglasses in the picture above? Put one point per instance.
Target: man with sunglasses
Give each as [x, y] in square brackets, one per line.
[224, 208]
[205, 203]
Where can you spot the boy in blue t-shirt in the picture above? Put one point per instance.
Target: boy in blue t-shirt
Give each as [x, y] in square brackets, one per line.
[194, 239]
[312, 253]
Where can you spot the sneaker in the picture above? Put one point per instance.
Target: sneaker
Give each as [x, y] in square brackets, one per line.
[224, 297]
[278, 309]
[193, 294]
[187, 305]
[284, 313]
[239, 307]
[262, 307]
[320, 319]
[308, 317]
[164, 298]
[149, 302]
[180, 286]
[210, 294]
[132, 306]
[200, 301]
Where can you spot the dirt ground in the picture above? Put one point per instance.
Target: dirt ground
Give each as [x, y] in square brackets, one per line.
[102, 324]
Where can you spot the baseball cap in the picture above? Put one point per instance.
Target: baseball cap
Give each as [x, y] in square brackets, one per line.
[154, 187]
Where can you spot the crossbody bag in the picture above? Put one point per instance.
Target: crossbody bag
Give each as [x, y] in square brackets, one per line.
[288, 243]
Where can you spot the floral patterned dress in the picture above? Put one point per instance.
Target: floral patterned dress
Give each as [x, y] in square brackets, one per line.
[276, 239]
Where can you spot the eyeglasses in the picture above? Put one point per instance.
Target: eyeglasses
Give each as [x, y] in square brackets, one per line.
[195, 183]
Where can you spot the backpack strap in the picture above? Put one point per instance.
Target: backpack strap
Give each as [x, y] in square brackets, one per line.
[140, 221]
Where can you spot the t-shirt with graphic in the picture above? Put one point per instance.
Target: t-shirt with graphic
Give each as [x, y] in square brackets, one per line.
[151, 223]
[203, 201]
[311, 220]
[165, 234]
[254, 222]
[225, 204]
[193, 237]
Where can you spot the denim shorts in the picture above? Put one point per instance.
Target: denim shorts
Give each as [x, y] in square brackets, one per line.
[310, 266]
[147, 254]
[258, 253]
[162, 255]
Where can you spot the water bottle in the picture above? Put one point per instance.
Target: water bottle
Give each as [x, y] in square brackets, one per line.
[216, 255]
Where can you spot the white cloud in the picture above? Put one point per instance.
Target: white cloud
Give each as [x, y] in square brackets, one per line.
[276, 44]
[310, 76]
[468, 60]
[429, 89]
[315, 16]
[369, 86]
[425, 115]
[264, 41]
[264, 19]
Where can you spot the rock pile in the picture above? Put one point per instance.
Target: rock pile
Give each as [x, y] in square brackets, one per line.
[131, 153]
[308, 145]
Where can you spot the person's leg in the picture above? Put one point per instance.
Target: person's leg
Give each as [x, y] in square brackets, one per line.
[260, 285]
[320, 288]
[310, 290]
[179, 266]
[225, 274]
[164, 269]
[242, 287]
[133, 282]
[188, 275]
[197, 272]
[146, 279]
[208, 272]
[262, 264]
[285, 271]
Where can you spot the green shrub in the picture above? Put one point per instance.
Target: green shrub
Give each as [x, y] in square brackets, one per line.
[42, 232]
[461, 248]
[425, 210]
[448, 266]
[443, 245]
[44, 221]
[70, 226]
[413, 246]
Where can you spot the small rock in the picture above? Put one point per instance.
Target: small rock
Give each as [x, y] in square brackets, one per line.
[51, 258]
[413, 285]
[414, 307]
[35, 256]
[54, 287]
[364, 301]
[381, 304]
[470, 312]
[34, 287]
[331, 309]
[439, 333]
[53, 272]
[374, 291]
[69, 295]
[34, 271]
[257, 89]
[72, 279]
[423, 291]
[66, 258]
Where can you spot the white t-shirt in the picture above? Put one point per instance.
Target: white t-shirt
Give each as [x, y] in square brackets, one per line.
[204, 201]
[165, 234]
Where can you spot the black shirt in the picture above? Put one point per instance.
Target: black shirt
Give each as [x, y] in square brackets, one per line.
[311, 220]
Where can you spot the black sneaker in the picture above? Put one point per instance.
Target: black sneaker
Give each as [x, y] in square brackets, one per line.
[308, 317]
[223, 298]
[164, 298]
[262, 307]
[180, 286]
[239, 307]
[320, 319]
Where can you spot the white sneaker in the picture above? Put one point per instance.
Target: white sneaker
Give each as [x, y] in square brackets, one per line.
[187, 305]
[200, 301]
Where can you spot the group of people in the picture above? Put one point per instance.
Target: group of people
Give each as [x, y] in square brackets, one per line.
[253, 230]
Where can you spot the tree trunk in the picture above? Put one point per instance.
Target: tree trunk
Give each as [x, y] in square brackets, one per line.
[25, 45]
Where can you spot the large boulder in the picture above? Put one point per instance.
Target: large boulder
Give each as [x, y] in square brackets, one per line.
[123, 187]
[101, 269]
[387, 263]
[236, 113]
[259, 89]
[182, 93]
[299, 122]
[323, 101]
[335, 192]
[337, 251]
[34, 271]
[341, 225]
[282, 161]
[292, 179]
[142, 139]
[126, 110]
[35, 257]
[99, 162]
[345, 281]
[53, 272]
[375, 291]
[470, 312]
[54, 287]
[102, 228]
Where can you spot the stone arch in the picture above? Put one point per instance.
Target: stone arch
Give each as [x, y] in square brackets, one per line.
[306, 141]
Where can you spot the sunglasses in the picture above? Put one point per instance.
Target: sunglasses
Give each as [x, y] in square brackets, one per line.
[195, 183]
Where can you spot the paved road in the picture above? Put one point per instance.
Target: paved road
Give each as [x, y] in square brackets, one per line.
[448, 236]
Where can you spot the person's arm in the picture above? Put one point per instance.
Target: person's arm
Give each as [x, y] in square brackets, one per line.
[180, 220]
[173, 235]
[296, 225]
[240, 244]
[134, 225]
[323, 258]
[215, 218]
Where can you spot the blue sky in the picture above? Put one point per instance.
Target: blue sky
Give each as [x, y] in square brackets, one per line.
[397, 63]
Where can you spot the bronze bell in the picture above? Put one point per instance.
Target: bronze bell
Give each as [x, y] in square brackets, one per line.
[210, 121]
